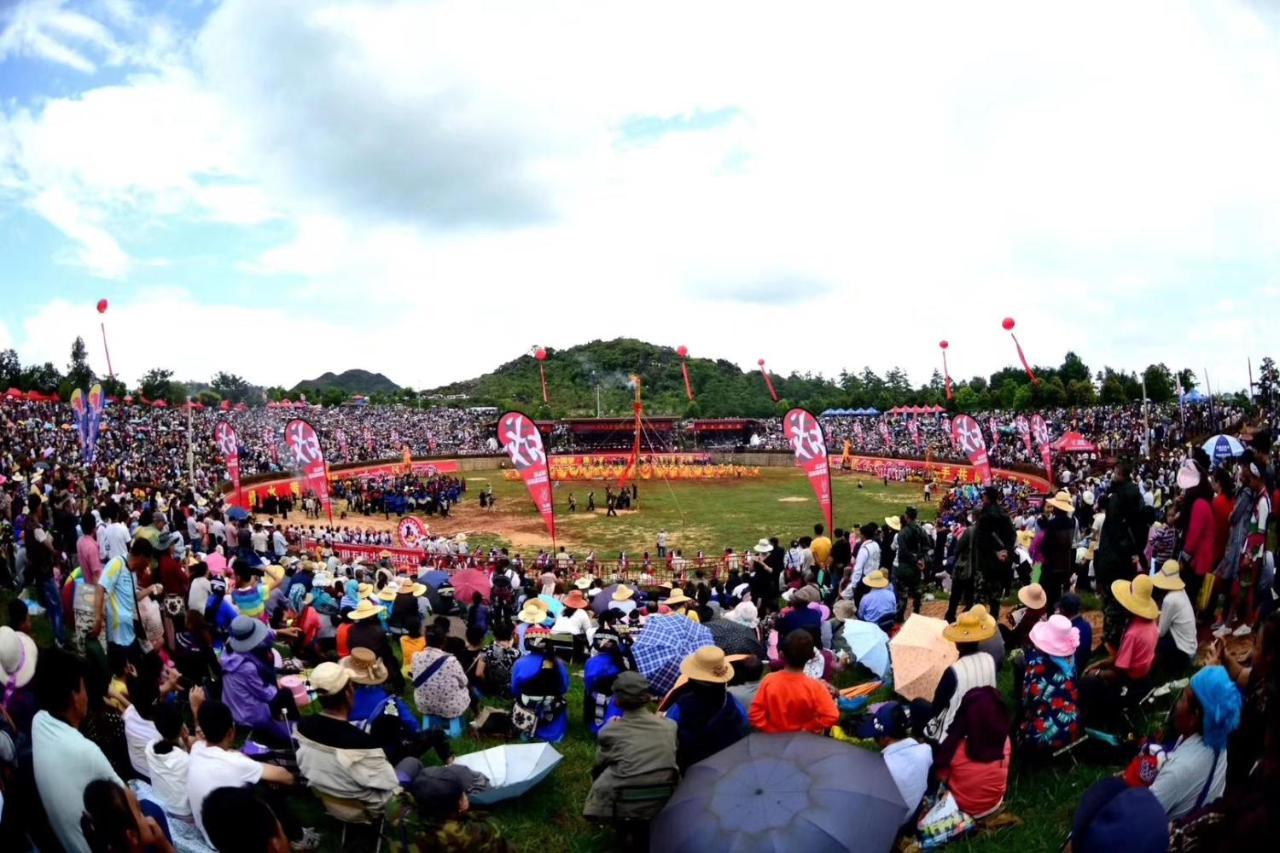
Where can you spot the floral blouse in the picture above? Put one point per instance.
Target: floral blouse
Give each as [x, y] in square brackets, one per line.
[1050, 702]
[445, 693]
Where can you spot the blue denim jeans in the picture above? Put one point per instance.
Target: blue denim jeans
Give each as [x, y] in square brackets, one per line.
[52, 603]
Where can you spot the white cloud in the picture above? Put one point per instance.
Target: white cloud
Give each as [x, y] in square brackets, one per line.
[464, 167]
[46, 30]
[96, 250]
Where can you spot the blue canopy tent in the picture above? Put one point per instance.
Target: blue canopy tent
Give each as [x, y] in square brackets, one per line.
[1193, 396]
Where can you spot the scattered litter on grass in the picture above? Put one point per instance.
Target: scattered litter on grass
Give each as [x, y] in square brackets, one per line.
[792, 500]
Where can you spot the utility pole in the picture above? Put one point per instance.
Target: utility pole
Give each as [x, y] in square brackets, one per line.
[596, 382]
[191, 453]
[1146, 427]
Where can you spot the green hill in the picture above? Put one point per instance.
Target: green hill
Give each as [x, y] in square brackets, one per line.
[348, 382]
[722, 388]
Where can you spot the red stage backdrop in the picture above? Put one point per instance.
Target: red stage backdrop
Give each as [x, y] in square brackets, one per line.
[805, 434]
[523, 443]
[306, 455]
[225, 436]
[967, 436]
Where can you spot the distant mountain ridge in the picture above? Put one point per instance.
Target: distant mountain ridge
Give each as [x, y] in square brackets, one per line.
[348, 382]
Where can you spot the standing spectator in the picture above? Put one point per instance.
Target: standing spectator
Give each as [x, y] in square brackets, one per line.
[1058, 548]
[42, 556]
[1124, 533]
[122, 593]
[992, 548]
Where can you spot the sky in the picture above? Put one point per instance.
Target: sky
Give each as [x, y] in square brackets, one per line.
[428, 189]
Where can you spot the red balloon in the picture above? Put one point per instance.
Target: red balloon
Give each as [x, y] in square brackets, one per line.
[760, 362]
[541, 354]
[1007, 323]
[943, 344]
[682, 351]
[102, 306]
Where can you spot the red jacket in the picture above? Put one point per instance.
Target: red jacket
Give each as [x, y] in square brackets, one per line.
[1201, 538]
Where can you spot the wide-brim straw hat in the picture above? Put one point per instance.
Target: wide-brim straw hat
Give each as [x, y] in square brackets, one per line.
[1135, 596]
[247, 633]
[980, 610]
[576, 600]
[364, 590]
[1062, 500]
[365, 666]
[623, 592]
[677, 597]
[365, 610]
[1033, 596]
[970, 627]
[583, 583]
[764, 546]
[1056, 636]
[418, 590]
[893, 522]
[707, 664]
[1169, 577]
[1086, 497]
[531, 614]
[389, 592]
[876, 580]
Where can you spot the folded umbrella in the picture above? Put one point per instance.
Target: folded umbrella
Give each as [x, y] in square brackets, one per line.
[783, 793]
[237, 513]
[434, 579]
[470, 581]
[663, 643]
[868, 645]
[512, 769]
[920, 656]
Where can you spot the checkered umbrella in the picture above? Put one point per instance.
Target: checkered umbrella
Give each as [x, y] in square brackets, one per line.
[663, 643]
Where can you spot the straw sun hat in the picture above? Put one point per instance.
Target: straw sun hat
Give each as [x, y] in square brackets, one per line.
[365, 667]
[364, 610]
[1169, 577]
[876, 580]
[1136, 597]
[971, 627]
[1062, 500]
[708, 663]
[1033, 596]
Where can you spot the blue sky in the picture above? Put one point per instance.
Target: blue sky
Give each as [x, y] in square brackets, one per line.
[431, 188]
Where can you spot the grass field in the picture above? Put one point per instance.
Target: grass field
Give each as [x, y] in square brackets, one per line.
[707, 516]
[696, 515]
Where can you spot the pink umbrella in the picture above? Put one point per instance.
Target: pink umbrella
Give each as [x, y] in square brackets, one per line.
[468, 582]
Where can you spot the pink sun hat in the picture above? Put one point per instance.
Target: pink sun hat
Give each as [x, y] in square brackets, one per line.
[1056, 636]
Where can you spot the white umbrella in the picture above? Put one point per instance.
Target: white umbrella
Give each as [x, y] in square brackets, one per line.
[511, 769]
[1223, 447]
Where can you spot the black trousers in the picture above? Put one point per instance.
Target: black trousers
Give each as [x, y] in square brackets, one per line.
[961, 597]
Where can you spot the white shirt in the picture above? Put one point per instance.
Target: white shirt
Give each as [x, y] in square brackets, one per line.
[65, 761]
[212, 767]
[113, 542]
[137, 734]
[1181, 779]
[575, 621]
[1179, 619]
[259, 540]
[168, 774]
[279, 545]
[909, 762]
[868, 560]
[198, 594]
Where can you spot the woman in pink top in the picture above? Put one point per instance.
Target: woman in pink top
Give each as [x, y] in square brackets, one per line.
[1196, 518]
[216, 562]
[87, 550]
[1108, 685]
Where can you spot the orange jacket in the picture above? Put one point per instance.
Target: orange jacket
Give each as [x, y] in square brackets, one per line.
[793, 702]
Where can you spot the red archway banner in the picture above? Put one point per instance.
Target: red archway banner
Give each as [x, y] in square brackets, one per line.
[523, 443]
[804, 433]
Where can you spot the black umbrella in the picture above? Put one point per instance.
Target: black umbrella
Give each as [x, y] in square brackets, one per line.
[783, 793]
[734, 638]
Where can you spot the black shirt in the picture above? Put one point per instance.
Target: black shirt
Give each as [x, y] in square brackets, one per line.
[338, 734]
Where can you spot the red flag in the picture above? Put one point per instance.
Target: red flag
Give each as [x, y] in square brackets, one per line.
[306, 455]
[1023, 359]
[1040, 431]
[995, 432]
[805, 434]
[523, 443]
[688, 386]
[224, 434]
[967, 437]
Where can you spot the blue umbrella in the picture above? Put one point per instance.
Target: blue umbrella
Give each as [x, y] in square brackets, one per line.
[783, 793]
[553, 604]
[869, 645]
[433, 579]
[237, 514]
[512, 769]
[663, 643]
[1223, 447]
